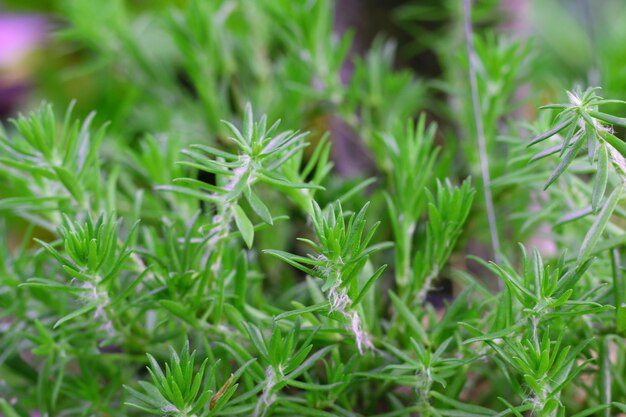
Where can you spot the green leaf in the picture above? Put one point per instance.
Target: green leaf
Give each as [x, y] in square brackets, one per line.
[272, 179]
[614, 120]
[128, 290]
[31, 203]
[574, 215]
[602, 177]
[409, 318]
[566, 161]
[309, 362]
[294, 260]
[70, 183]
[258, 206]
[591, 136]
[302, 311]
[199, 195]
[517, 411]
[592, 411]
[551, 132]
[492, 336]
[599, 224]
[53, 285]
[244, 225]
[83, 310]
[369, 284]
[615, 142]
[471, 409]
[180, 311]
[7, 410]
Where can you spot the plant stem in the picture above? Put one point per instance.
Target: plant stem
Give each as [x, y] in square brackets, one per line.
[604, 383]
[619, 292]
[480, 132]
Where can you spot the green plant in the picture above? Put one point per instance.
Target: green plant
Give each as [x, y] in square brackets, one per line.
[184, 227]
[179, 391]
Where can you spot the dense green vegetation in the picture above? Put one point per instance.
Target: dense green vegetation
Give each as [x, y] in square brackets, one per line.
[240, 215]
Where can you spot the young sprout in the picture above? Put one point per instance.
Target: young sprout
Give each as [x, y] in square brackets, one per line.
[286, 358]
[341, 253]
[181, 391]
[578, 123]
[94, 257]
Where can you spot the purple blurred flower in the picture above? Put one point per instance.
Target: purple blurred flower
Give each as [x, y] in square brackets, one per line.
[19, 35]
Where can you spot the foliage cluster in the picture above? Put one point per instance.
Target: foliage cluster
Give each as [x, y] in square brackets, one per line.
[177, 254]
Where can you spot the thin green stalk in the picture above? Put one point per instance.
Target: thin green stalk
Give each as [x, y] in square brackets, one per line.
[619, 292]
[480, 131]
[604, 379]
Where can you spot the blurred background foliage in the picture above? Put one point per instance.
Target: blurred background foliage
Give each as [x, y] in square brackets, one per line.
[135, 61]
